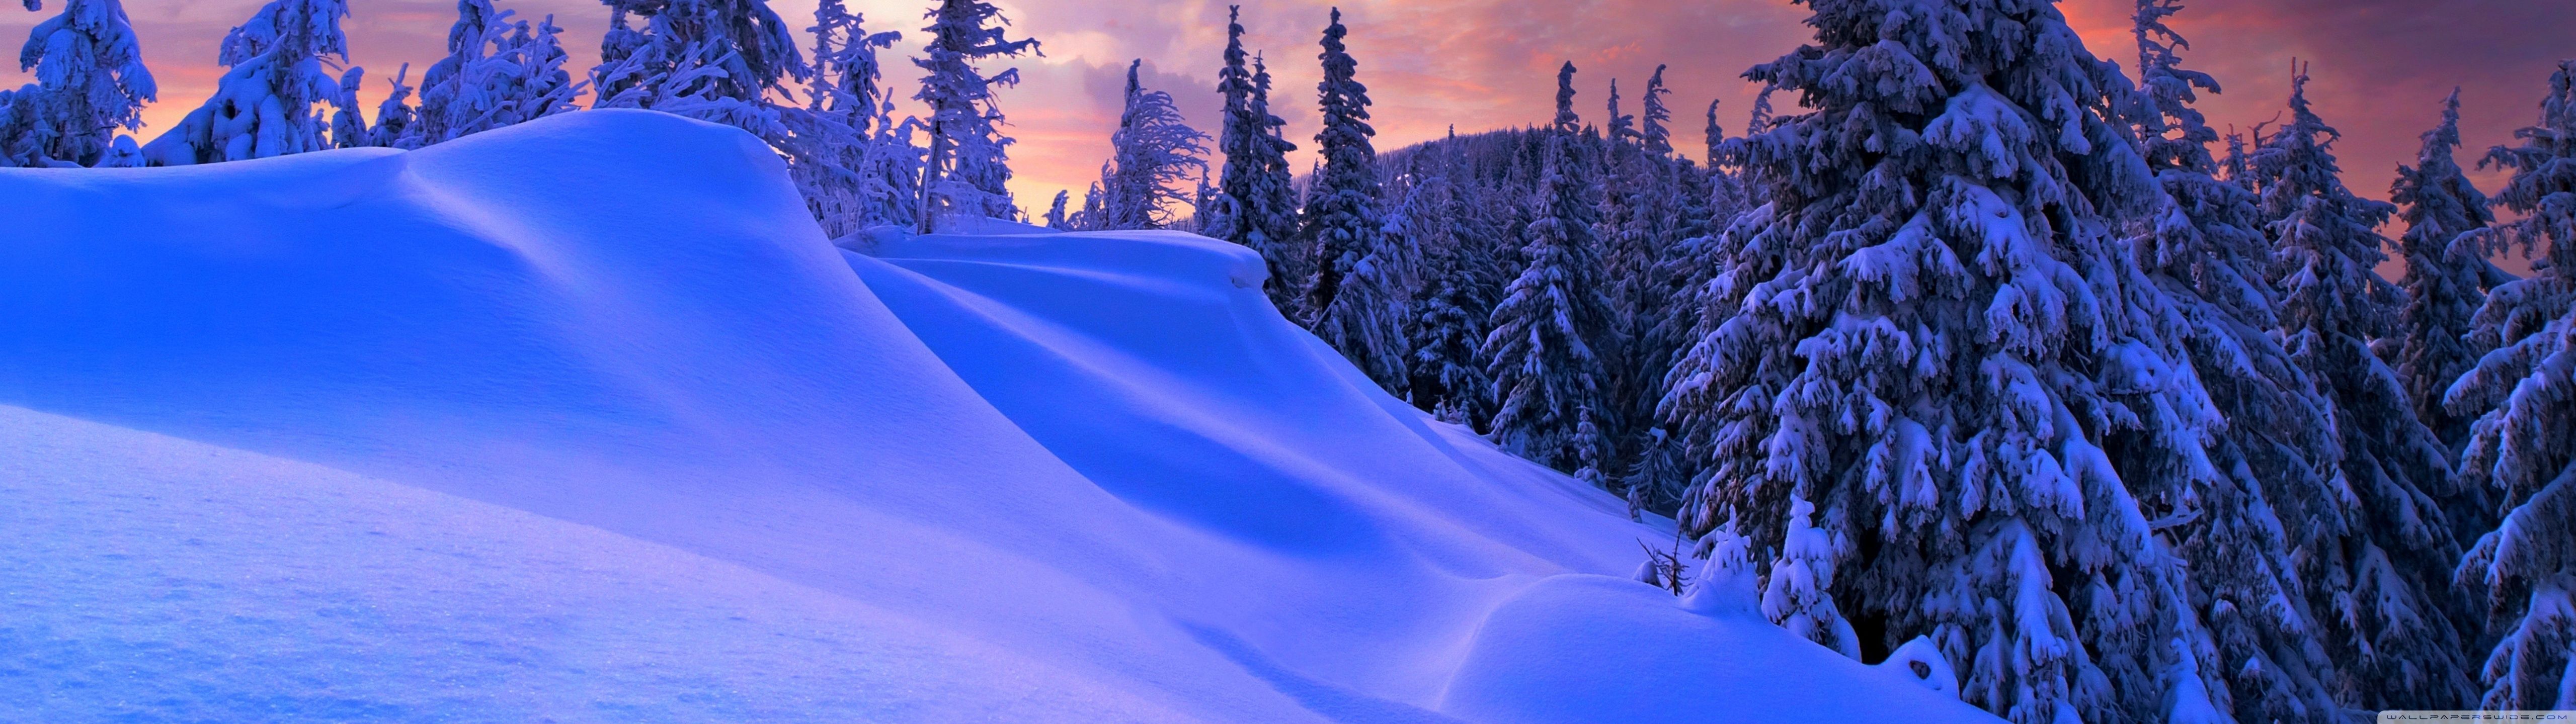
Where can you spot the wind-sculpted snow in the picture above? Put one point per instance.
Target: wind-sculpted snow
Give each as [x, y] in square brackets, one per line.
[583, 420]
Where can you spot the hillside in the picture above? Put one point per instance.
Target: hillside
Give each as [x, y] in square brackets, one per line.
[584, 419]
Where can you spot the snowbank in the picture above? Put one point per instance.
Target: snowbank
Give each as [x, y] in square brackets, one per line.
[583, 420]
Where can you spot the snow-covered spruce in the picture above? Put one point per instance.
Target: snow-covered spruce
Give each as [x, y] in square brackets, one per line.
[2376, 546]
[2203, 244]
[1153, 152]
[1932, 336]
[1541, 350]
[498, 72]
[395, 116]
[264, 105]
[1650, 201]
[1255, 205]
[1369, 318]
[864, 170]
[1450, 310]
[348, 120]
[718, 49]
[2444, 286]
[1341, 219]
[1565, 121]
[90, 81]
[2524, 396]
[968, 169]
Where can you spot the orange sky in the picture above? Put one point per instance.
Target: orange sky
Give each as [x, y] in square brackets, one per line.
[2381, 65]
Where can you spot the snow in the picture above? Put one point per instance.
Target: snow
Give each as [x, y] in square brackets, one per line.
[451, 434]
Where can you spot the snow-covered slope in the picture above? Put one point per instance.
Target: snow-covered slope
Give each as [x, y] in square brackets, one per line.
[584, 421]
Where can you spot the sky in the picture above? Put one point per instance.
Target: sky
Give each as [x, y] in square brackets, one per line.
[2380, 68]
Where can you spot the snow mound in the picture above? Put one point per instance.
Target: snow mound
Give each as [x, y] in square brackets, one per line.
[584, 421]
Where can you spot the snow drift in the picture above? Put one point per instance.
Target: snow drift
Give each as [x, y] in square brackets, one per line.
[584, 419]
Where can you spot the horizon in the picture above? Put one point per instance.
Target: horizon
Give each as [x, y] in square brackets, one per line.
[2381, 67]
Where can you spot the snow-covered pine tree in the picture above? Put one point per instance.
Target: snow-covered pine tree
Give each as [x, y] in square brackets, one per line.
[1092, 209]
[1716, 134]
[1281, 204]
[348, 121]
[395, 116]
[1541, 352]
[731, 50]
[2524, 396]
[1931, 336]
[1202, 200]
[264, 105]
[1341, 218]
[1565, 121]
[717, 61]
[1655, 120]
[453, 87]
[1622, 127]
[1666, 206]
[1630, 187]
[968, 169]
[1726, 192]
[1055, 218]
[2203, 244]
[1252, 209]
[2237, 166]
[90, 81]
[846, 69]
[497, 73]
[859, 170]
[1151, 154]
[2443, 289]
[1449, 321]
[1368, 318]
[2377, 549]
[1663, 474]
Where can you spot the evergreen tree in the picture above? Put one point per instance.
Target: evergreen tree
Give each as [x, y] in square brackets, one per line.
[968, 170]
[1541, 350]
[1151, 153]
[1716, 134]
[1092, 209]
[348, 121]
[1449, 321]
[1565, 122]
[2273, 453]
[2444, 286]
[1367, 320]
[1253, 208]
[1341, 218]
[395, 116]
[1280, 202]
[730, 50]
[1929, 348]
[497, 73]
[1055, 218]
[2378, 547]
[1622, 127]
[1639, 190]
[1654, 133]
[863, 170]
[2524, 396]
[717, 61]
[846, 76]
[90, 81]
[264, 105]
